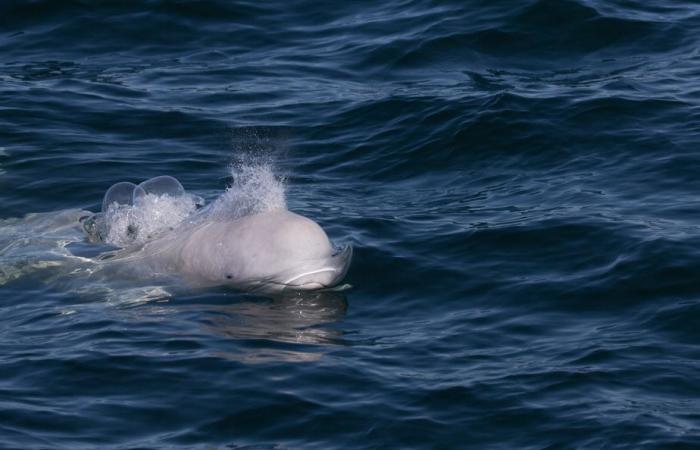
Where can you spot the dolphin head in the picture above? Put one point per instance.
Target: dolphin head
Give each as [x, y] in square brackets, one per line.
[271, 251]
[297, 254]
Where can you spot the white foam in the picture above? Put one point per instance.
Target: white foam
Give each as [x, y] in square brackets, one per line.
[154, 215]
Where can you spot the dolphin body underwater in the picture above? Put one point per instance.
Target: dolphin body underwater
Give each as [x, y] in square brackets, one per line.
[269, 251]
[246, 239]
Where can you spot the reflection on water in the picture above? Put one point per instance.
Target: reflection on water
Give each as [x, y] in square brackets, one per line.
[293, 319]
[297, 319]
[292, 328]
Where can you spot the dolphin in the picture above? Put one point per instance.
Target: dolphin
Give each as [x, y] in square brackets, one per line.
[271, 250]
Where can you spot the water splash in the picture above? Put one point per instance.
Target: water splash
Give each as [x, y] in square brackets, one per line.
[254, 189]
[132, 215]
[153, 216]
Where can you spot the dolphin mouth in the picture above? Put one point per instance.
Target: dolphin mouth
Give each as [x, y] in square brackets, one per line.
[331, 272]
[291, 281]
[314, 275]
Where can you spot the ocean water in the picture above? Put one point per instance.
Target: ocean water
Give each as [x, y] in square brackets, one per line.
[519, 181]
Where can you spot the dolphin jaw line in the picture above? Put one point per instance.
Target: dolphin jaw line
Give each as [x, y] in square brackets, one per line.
[304, 274]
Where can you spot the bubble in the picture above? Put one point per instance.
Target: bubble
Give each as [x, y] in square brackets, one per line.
[160, 186]
[120, 193]
[153, 216]
[133, 215]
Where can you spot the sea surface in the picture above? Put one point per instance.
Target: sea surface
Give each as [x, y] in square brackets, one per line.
[519, 181]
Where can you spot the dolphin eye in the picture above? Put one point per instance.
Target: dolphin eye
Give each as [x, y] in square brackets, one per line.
[229, 276]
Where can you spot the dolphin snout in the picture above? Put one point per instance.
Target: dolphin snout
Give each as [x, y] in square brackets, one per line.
[315, 279]
[330, 272]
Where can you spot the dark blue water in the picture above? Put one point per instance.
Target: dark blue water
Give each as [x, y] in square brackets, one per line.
[519, 180]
